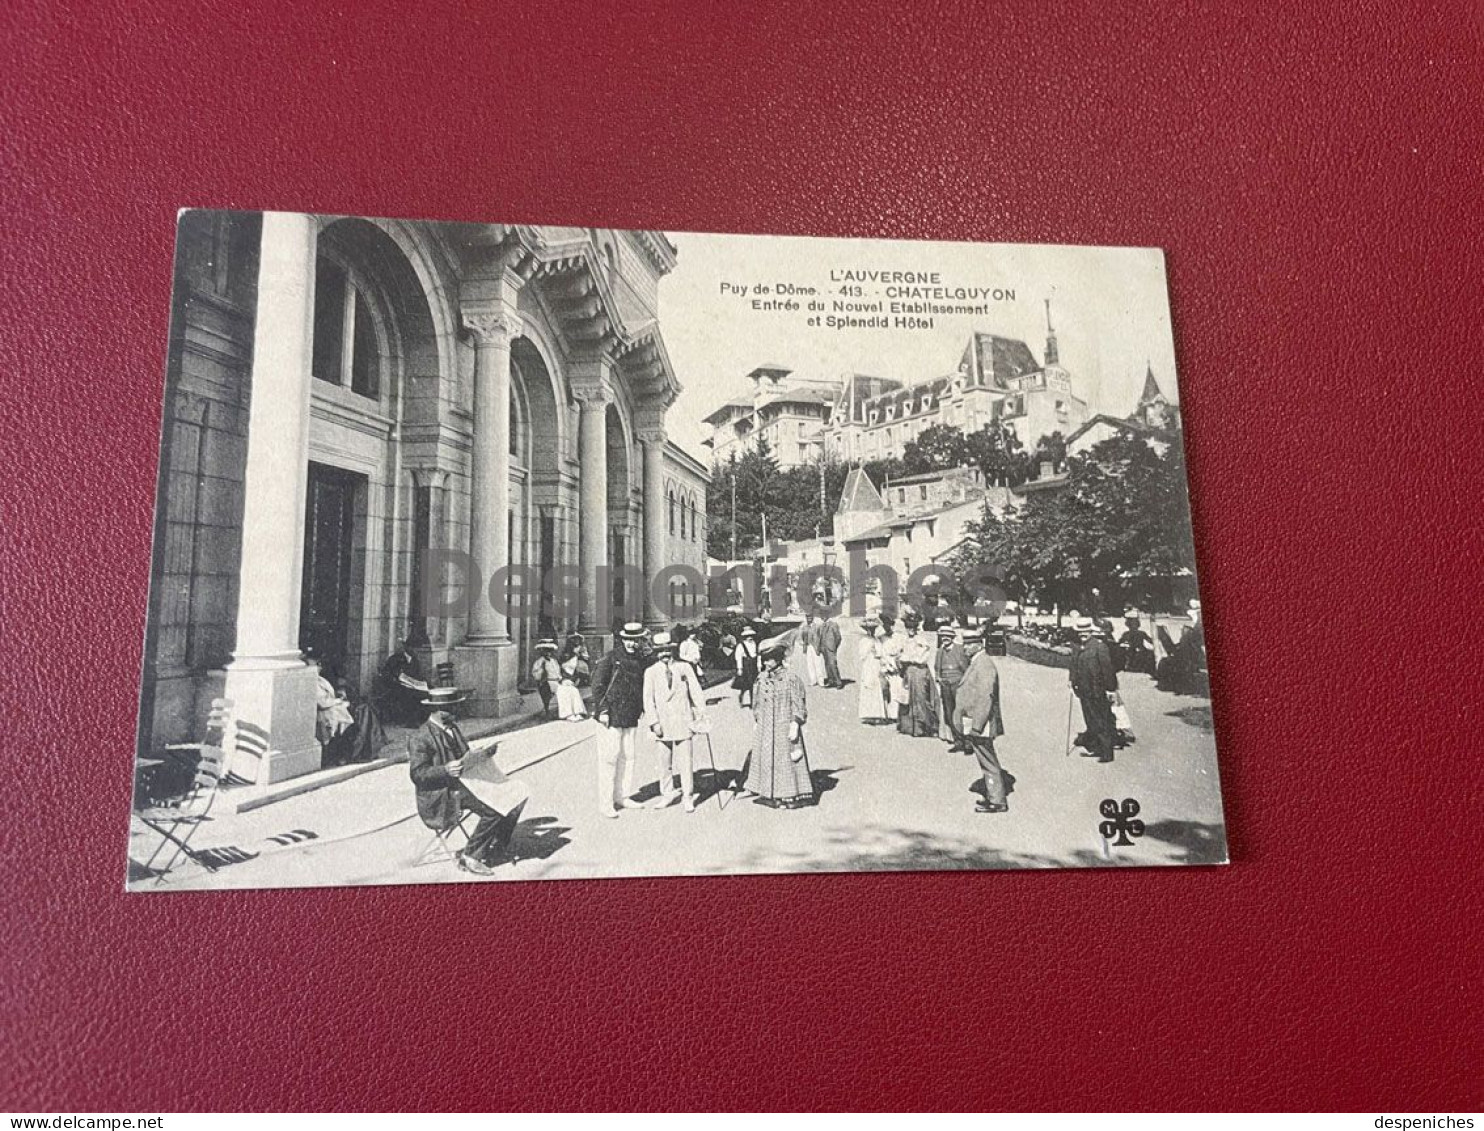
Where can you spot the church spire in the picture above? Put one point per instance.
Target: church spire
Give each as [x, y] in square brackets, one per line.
[1051, 352]
[1151, 386]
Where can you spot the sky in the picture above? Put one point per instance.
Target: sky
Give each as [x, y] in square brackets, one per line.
[1109, 306]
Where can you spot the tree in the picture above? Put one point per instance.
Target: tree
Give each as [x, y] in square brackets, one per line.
[1121, 524]
[755, 475]
[935, 449]
[997, 452]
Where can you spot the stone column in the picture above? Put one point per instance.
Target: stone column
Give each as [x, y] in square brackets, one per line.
[592, 438]
[485, 661]
[653, 442]
[489, 540]
[271, 689]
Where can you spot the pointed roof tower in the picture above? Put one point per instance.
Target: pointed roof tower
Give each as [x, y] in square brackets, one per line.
[1151, 386]
[859, 494]
[1051, 351]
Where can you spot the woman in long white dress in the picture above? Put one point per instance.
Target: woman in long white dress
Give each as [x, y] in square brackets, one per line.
[891, 672]
[872, 692]
[569, 704]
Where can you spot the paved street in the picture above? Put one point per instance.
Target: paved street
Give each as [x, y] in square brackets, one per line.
[889, 802]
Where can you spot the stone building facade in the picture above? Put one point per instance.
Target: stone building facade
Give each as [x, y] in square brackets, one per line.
[788, 412]
[686, 480]
[998, 384]
[1153, 420]
[344, 394]
[857, 418]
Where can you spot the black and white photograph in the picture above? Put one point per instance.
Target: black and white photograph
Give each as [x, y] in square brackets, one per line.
[513, 552]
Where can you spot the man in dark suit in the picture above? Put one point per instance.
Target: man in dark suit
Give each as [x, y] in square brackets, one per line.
[397, 691]
[1095, 682]
[950, 665]
[829, 647]
[438, 758]
[977, 703]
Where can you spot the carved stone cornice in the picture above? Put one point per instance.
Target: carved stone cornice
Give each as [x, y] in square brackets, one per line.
[434, 477]
[590, 378]
[490, 327]
[592, 396]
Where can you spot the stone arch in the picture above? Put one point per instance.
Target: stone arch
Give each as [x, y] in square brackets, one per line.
[414, 296]
[622, 551]
[544, 404]
[350, 613]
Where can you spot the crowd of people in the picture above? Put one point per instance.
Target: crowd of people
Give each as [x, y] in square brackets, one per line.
[647, 694]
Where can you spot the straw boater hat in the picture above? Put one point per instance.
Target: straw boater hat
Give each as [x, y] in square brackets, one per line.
[1083, 624]
[444, 696]
[663, 642]
[946, 632]
[749, 633]
[546, 642]
[632, 631]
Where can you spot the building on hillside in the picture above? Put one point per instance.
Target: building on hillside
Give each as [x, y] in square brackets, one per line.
[344, 395]
[858, 417]
[1153, 418]
[913, 523]
[787, 411]
[922, 518]
[999, 383]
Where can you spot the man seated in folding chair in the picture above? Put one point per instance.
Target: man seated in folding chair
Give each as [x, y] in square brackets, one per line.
[452, 780]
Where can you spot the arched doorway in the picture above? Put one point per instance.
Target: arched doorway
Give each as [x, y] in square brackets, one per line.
[535, 486]
[626, 603]
[375, 359]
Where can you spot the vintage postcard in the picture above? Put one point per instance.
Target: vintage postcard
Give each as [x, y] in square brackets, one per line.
[500, 552]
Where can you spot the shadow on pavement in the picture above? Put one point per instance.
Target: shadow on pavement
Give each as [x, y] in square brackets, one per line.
[1198, 843]
[539, 838]
[877, 848]
[1197, 716]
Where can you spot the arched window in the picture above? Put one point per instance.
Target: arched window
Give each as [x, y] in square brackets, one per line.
[345, 349]
[671, 496]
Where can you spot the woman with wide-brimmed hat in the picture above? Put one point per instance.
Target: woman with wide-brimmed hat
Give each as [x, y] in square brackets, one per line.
[871, 689]
[747, 666]
[777, 771]
[547, 674]
[917, 715]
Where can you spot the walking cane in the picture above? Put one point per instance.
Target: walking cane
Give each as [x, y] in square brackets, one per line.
[808, 769]
[1071, 695]
[715, 773]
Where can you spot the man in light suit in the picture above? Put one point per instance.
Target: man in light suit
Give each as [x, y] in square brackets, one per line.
[977, 703]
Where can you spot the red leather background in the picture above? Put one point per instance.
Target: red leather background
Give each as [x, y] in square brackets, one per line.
[1314, 172]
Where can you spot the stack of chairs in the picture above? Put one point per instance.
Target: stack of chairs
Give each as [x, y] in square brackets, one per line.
[177, 819]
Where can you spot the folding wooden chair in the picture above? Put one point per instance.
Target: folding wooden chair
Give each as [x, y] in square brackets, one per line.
[176, 821]
[440, 847]
[249, 746]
